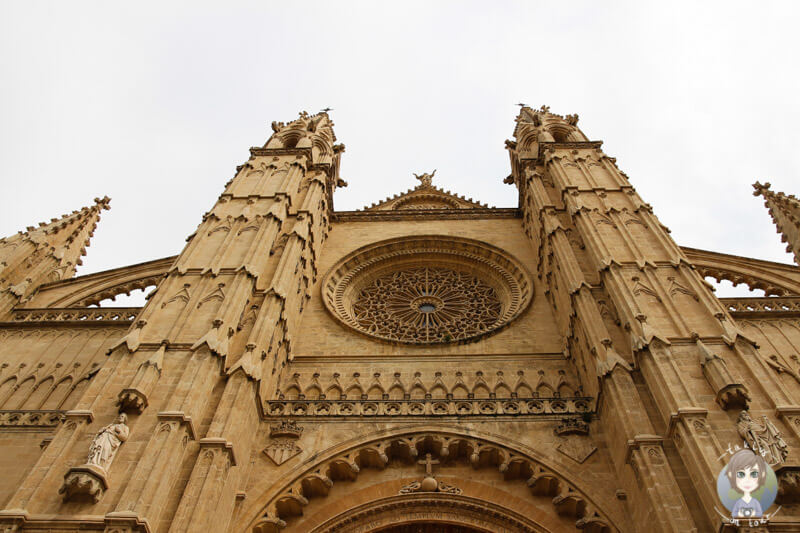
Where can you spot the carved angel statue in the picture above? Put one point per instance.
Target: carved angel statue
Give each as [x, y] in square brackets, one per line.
[107, 442]
[425, 178]
[764, 439]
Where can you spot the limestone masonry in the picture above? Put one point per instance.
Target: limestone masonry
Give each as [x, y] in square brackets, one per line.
[426, 364]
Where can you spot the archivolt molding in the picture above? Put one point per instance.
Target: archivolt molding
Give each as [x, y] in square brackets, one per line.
[346, 462]
[476, 514]
[346, 288]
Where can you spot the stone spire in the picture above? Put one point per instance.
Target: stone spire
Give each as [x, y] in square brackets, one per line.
[785, 212]
[46, 253]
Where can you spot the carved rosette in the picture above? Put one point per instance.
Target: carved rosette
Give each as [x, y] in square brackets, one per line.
[427, 290]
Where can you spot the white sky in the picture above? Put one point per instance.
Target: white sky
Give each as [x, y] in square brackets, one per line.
[155, 103]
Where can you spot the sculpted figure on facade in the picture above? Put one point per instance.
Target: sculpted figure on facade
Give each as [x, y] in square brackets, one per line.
[425, 178]
[763, 438]
[107, 441]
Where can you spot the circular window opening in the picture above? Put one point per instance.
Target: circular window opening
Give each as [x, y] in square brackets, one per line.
[427, 290]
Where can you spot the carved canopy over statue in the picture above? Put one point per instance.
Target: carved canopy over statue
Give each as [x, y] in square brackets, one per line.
[107, 441]
[764, 439]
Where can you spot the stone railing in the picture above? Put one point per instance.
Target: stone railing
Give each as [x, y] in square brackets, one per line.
[103, 315]
[32, 418]
[430, 407]
[742, 306]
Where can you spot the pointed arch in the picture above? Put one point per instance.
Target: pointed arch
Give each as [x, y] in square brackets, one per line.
[524, 390]
[481, 390]
[40, 393]
[418, 391]
[313, 392]
[6, 390]
[375, 392]
[354, 391]
[460, 391]
[396, 392]
[58, 394]
[20, 394]
[439, 392]
[75, 393]
[334, 392]
[292, 392]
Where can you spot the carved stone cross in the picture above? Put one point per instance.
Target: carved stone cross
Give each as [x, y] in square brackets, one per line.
[428, 462]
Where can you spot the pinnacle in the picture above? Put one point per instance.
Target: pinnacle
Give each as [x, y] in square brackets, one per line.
[785, 212]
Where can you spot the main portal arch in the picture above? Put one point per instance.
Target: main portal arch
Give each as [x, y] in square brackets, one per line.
[387, 483]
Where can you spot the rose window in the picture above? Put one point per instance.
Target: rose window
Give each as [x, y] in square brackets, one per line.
[429, 304]
[427, 290]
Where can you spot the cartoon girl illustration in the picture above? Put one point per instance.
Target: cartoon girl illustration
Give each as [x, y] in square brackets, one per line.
[746, 472]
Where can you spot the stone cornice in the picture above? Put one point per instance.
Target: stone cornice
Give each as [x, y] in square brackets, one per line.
[427, 214]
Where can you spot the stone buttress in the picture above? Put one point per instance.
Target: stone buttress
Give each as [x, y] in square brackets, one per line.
[212, 339]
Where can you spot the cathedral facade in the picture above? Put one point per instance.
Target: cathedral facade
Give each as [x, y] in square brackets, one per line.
[426, 364]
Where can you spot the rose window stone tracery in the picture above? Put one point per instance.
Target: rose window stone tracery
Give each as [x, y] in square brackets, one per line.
[427, 290]
[429, 304]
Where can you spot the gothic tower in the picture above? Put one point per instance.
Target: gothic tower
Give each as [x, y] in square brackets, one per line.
[428, 363]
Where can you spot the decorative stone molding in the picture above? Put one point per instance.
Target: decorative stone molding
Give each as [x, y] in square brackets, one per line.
[430, 407]
[430, 285]
[34, 418]
[85, 482]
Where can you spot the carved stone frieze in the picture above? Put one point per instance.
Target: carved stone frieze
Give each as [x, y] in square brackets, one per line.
[430, 407]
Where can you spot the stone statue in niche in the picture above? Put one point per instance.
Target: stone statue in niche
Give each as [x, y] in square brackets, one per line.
[763, 438]
[107, 441]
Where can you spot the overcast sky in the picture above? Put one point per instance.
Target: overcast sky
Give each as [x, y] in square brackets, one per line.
[155, 103]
